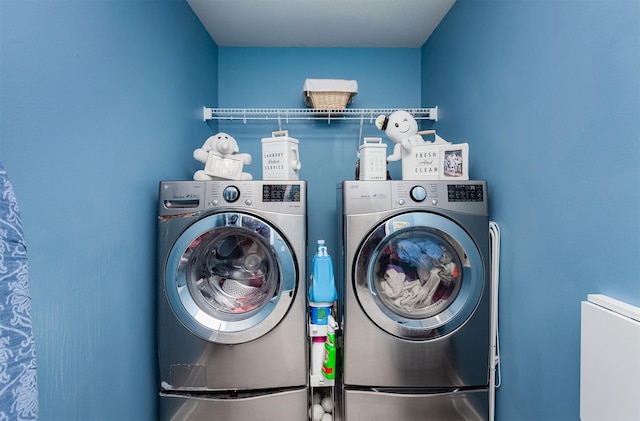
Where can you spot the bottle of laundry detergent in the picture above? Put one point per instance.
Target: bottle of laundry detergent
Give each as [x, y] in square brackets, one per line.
[329, 363]
[323, 286]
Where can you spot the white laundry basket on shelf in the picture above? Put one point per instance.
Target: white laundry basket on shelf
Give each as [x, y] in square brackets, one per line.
[329, 94]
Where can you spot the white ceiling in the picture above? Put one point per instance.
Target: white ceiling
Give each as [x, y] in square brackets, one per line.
[320, 23]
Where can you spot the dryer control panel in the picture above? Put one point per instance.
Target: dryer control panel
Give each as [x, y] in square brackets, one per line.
[462, 196]
[465, 192]
[455, 193]
[378, 196]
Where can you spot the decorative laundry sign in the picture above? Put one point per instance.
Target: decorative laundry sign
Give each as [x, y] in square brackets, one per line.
[437, 160]
[422, 161]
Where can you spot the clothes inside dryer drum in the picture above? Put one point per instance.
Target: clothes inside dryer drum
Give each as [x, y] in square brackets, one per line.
[411, 289]
[416, 274]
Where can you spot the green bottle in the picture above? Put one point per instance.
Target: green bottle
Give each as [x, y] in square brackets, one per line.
[329, 363]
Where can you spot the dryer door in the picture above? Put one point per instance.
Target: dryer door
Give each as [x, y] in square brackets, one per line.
[418, 276]
[230, 278]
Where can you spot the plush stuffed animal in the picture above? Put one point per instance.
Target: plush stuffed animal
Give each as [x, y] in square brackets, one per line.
[402, 129]
[222, 161]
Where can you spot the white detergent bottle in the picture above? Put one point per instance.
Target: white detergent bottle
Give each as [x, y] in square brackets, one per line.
[317, 355]
[323, 286]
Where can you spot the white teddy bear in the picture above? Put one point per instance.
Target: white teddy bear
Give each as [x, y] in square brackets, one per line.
[222, 161]
[402, 129]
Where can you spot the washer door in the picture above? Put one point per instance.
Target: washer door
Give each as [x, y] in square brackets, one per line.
[230, 278]
[418, 276]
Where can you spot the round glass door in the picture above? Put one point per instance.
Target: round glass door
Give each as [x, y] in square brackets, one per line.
[230, 278]
[418, 276]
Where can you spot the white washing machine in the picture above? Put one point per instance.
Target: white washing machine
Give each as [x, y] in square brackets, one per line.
[231, 300]
[415, 300]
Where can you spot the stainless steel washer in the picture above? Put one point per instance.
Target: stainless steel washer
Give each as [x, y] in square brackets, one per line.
[231, 300]
[415, 300]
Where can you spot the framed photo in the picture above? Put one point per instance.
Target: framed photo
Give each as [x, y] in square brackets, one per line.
[454, 162]
[223, 167]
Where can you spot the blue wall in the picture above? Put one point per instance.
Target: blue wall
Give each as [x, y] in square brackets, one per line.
[548, 96]
[99, 101]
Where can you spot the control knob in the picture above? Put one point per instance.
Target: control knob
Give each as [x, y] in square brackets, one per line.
[418, 193]
[231, 194]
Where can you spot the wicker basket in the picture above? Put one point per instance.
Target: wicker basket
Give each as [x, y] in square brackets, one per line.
[329, 94]
[330, 100]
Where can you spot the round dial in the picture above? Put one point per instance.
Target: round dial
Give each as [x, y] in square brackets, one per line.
[418, 193]
[231, 194]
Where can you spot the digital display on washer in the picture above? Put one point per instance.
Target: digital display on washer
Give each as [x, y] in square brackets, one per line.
[465, 193]
[281, 193]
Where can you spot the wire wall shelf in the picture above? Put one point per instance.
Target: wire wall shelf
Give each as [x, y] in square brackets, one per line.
[286, 114]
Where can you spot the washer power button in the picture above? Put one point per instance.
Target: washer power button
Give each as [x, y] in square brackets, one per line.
[418, 193]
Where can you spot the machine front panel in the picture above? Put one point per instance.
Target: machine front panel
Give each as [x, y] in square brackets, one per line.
[418, 276]
[230, 277]
[415, 299]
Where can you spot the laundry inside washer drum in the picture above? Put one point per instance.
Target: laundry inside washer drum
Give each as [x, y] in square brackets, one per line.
[236, 274]
[234, 290]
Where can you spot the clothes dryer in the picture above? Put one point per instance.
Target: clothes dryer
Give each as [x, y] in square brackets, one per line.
[231, 300]
[415, 301]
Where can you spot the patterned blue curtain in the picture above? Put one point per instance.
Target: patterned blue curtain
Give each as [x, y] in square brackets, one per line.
[18, 386]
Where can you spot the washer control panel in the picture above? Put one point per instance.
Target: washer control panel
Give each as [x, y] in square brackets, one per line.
[281, 193]
[278, 196]
[190, 197]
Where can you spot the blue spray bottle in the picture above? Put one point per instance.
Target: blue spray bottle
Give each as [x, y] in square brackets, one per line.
[323, 286]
